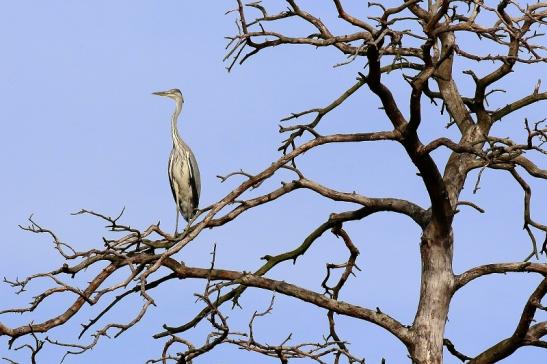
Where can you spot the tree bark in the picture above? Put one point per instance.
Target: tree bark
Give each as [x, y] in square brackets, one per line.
[437, 282]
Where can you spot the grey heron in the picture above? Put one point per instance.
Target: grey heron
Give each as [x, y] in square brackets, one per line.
[183, 168]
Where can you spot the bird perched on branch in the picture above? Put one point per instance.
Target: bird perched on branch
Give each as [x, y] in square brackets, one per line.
[183, 168]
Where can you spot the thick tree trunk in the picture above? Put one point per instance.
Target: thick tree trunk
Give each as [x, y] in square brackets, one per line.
[436, 291]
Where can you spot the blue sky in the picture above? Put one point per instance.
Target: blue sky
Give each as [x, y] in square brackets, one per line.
[82, 130]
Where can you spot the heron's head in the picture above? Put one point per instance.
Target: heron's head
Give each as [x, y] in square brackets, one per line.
[174, 94]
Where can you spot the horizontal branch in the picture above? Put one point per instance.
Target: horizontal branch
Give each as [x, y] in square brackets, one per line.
[64, 317]
[530, 167]
[415, 212]
[240, 278]
[374, 316]
[498, 268]
[519, 104]
[334, 220]
[453, 146]
[410, 209]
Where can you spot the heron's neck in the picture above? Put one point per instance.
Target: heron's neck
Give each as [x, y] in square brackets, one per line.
[174, 131]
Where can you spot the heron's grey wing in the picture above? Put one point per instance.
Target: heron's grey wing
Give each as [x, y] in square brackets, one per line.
[195, 180]
[170, 172]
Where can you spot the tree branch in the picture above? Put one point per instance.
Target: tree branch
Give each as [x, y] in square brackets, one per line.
[498, 268]
[508, 346]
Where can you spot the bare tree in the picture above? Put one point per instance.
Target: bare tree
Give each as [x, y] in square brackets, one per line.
[421, 42]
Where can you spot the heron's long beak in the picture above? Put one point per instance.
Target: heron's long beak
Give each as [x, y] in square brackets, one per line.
[160, 93]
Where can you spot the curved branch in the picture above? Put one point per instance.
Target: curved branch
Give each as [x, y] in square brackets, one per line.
[381, 319]
[415, 212]
[272, 261]
[64, 317]
[519, 104]
[498, 268]
[530, 167]
[351, 19]
[508, 346]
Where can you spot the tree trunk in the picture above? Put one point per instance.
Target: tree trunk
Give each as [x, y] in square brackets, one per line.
[435, 293]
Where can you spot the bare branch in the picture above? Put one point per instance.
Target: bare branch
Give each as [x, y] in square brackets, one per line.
[508, 346]
[499, 268]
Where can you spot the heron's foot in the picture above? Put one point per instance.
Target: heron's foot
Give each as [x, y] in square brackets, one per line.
[189, 225]
[187, 228]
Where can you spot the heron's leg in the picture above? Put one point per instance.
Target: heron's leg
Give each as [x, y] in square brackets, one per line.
[190, 222]
[177, 218]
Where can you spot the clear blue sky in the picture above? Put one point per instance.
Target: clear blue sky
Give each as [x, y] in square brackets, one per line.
[80, 129]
